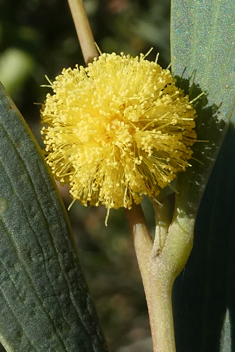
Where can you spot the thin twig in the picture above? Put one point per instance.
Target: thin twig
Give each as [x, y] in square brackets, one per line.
[83, 29]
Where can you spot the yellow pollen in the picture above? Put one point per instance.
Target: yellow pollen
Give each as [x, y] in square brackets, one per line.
[117, 130]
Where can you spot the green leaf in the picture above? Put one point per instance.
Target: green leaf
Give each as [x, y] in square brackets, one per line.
[203, 56]
[204, 293]
[44, 301]
[203, 60]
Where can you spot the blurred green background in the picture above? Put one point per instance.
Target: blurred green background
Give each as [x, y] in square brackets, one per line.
[38, 38]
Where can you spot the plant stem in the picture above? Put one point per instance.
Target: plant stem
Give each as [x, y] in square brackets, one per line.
[160, 315]
[156, 284]
[83, 29]
[160, 262]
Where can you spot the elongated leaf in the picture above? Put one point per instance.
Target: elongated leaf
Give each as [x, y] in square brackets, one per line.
[203, 58]
[203, 55]
[204, 294]
[44, 301]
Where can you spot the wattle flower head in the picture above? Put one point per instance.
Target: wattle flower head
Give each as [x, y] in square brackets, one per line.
[117, 130]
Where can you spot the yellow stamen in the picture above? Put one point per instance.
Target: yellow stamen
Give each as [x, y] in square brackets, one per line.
[117, 130]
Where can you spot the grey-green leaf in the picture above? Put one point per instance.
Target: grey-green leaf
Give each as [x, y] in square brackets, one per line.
[203, 60]
[203, 56]
[204, 294]
[45, 305]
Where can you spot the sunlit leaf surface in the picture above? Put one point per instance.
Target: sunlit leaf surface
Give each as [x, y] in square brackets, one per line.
[203, 57]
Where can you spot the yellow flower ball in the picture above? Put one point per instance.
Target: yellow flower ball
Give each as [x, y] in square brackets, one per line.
[117, 130]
